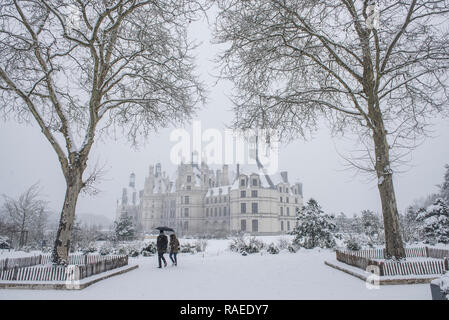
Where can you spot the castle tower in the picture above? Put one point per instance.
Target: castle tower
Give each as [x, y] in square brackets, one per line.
[132, 180]
[124, 197]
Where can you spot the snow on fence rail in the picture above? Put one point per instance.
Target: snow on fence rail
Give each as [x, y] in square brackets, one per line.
[41, 272]
[363, 258]
[406, 268]
[74, 259]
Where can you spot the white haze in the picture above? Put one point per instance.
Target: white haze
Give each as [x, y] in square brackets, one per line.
[26, 157]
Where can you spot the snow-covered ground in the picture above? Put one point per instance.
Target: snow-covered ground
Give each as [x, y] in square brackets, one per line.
[221, 274]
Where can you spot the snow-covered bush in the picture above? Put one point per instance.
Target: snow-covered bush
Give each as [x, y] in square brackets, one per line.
[283, 243]
[149, 250]
[200, 245]
[5, 243]
[353, 244]
[133, 253]
[240, 245]
[315, 229]
[133, 249]
[292, 248]
[188, 248]
[273, 249]
[435, 221]
[91, 248]
[106, 248]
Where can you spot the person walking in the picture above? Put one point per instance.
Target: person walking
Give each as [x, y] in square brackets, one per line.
[161, 245]
[174, 247]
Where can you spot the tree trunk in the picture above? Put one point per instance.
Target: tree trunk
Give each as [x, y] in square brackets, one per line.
[393, 238]
[61, 247]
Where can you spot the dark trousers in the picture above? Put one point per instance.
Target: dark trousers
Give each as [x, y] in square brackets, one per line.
[160, 256]
[173, 257]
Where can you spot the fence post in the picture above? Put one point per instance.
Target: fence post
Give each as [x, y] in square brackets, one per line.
[6, 265]
[446, 263]
[427, 251]
[16, 270]
[381, 268]
[40, 259]
[85, 259]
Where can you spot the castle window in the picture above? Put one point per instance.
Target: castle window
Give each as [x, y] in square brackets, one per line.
[186, 200]
[287, 199]
[296, 200]
[243, 207]
[288, 225]
[219, 211]
[243, 225]
[282, 225]
[254, 207]
[186, 212]
[254, 193]
[282, 211]
[215, 211]
[242, 194]
[255, 225]
[189, 178]
[255, 182]
[207, 212]
[280, 199]
[189, 187]
[242, 182]
[288, 211]
[207, 200]
[225, 211]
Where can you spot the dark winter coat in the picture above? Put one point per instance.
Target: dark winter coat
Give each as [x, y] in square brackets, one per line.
[174, 245]
[162, 243]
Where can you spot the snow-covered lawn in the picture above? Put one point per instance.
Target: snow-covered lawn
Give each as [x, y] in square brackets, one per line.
[220, 274]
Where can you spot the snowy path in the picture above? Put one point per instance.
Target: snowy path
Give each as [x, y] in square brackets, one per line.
[225, 275]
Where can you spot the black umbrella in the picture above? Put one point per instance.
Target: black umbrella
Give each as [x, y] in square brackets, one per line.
[165, 229]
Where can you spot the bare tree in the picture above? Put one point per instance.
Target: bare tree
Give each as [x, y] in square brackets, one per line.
[378, 68]
[27, 214]
[80, 67]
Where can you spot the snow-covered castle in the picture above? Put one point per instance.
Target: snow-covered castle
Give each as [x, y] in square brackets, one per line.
[201, 201]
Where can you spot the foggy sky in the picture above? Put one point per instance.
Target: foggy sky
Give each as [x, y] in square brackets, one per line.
[26, 157]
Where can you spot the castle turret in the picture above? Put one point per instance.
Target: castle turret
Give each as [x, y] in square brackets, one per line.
[225, 175]
[158, 170]
[124, 197]
[132, 180]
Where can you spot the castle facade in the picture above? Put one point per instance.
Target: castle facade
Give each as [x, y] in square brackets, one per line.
[200, 201]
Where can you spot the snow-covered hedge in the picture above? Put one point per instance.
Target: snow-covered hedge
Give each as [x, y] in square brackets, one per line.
[241, 246]
[273, 249]
[353, 243]
[4, 242]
